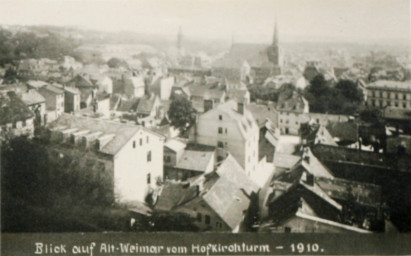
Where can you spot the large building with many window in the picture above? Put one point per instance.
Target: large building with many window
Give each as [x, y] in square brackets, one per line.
[130, 155]
[391, 94]
[232, 129]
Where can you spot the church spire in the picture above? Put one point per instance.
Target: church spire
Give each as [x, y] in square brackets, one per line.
[275, 36]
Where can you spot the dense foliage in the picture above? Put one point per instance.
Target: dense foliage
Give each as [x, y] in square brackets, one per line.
[344, 98]
[23, 45]
[116, 63]
[43, 192]
[181, 113]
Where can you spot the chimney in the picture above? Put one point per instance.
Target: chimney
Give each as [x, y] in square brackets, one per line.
[241, 107]
[310, 179]
[208, 105]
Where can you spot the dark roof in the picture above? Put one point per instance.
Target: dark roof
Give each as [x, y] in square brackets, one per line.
[294, 102]
[146, 104]
[13, 109]
[342, 189]
[347, 131]
[172, 194]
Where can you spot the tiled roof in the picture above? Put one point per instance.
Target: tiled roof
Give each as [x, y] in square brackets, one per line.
[228, 201]
[285, 160]
[123, 132]
[32, 97]
[362, 193]
[232, 170]
[294, 102]
[195, 160]
[175, 145]
[391, 85]
[36, 84]
[146, 104]
[52, 89]
[262, 112]
[13, 109]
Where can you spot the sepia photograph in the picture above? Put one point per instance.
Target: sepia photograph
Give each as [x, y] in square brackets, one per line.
[203, 118]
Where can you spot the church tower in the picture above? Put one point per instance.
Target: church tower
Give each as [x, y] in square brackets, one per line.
[273, 50]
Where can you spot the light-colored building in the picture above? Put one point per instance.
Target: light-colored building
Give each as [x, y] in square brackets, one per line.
[15, 117]
[54, 101]
[134, 86]
[292, 111]
[218, 201]
[131, 154]
[392, 94]
[232, 129]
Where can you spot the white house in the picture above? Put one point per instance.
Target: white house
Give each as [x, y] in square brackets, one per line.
[232, 129]
[132, 154]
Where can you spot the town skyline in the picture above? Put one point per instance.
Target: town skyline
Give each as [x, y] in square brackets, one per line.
[246, 21]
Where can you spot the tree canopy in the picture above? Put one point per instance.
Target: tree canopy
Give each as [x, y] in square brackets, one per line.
[181, 113]
[344, 98]
[116, 63]
[22, 45]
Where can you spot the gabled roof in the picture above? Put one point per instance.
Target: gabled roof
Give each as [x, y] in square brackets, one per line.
[32, 97]
[195, 160]
[224, 191]
[146, 104]
[36, 84]
[245, 122]
[175, 145]
[122, 132]
[294, 102]
[286, 161]
[51, 89]
[13, 109]
[227, 201]
[262, 112]
[232, 170]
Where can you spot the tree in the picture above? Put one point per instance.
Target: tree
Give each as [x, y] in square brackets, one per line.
[181, 113]
[116, 63]
[349, 90]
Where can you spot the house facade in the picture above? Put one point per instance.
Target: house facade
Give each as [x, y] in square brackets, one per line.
[133, 154]
[232, 129]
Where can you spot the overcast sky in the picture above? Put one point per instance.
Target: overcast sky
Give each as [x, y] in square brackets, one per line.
[348, 20]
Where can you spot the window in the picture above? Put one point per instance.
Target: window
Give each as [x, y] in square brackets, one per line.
[220, 130]
[404, 105]
[396, 104]
[167, 159]
[404, 96]
[147, 139]
[396, 96]
[388, 103]
[220, 144]
[207, 219]
[134, 144]
[149, 156]
[281, 120]
[225, 130]
[199, 217]
[287, 230]
[220, 117]
[141, 142]
[218, 224]
[148, 178]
